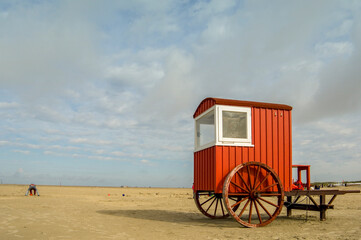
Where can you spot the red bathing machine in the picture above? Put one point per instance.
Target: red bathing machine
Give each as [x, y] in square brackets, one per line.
[243, 162]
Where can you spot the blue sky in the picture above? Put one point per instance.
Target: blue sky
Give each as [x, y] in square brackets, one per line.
[102, 92]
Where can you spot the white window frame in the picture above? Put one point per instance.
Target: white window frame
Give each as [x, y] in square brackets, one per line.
[212, 143]
[234, 141]
[219, 140]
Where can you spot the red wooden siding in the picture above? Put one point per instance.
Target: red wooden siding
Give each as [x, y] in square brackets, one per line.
[271, 137]
[204, 169]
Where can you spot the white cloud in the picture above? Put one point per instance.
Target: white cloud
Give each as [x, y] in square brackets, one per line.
[339, 128]
[334, 49]
[341, 30]
[2, 143]
[8, 105]
[50, 153]
[99, 151]
[146, 162]
[47, 113]
[79, 140]
[172, 94]
[21, 151]
[89, 141]
[59, 147]
[135, 75]
[29, 145]
[118, 153]
[204, 10]
[102, 158]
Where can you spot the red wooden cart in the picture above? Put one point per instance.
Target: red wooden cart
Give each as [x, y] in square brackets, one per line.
[243, 163]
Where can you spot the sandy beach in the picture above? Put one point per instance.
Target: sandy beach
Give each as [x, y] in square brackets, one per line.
[62, 212]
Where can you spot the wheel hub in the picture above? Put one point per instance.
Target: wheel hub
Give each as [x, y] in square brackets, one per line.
[254, 195]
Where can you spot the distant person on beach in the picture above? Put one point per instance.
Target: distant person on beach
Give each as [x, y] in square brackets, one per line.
[32, 189]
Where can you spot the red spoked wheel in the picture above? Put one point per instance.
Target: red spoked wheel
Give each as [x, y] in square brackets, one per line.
[211, 204]
[261, 194]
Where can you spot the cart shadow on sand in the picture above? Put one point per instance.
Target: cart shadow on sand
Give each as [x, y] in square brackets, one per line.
[189, 219]
[171, 217]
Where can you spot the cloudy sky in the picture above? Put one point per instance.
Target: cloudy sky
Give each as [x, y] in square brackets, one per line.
[103, 92]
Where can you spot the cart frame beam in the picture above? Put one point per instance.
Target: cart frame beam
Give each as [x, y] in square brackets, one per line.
[321, 207]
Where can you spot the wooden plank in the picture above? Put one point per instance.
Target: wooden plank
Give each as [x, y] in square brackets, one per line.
[257, 135]
[269, 144]
[275, 139]
[290, 146]
[263, 137]
[219, 169]
[319, 192]
[309, 207]
[288, 167]
[281, 160]
[225, 162]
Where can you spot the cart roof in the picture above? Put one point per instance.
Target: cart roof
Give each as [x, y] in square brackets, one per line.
[209, 102]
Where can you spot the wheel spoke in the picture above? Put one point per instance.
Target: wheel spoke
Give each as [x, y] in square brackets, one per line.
[255, 179]
[235, 184]
[264, 179]
[210, 205]
[240, 194]
[237, 203]
[222, 208]
[215, 210]
[250, 212]
[259, 216]
[244, 181]
[264, 208]
[249, 178]
[208, 200]
[270, 194]
[244, 208]
[233, 199]
[261, 190]
[269, 202]
[203, 194]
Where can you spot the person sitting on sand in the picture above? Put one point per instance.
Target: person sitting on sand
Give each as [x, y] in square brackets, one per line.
[32, 189]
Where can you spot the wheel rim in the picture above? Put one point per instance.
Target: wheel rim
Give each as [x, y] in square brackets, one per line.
[211, 204]
[261, 191]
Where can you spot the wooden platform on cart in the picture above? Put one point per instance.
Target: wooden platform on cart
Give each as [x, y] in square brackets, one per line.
[319, 192]
[321, 207]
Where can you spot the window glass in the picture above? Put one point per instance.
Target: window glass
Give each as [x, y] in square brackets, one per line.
[234, 124]
[205, 129]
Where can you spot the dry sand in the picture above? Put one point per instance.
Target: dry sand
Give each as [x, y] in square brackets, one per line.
[153, 213]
